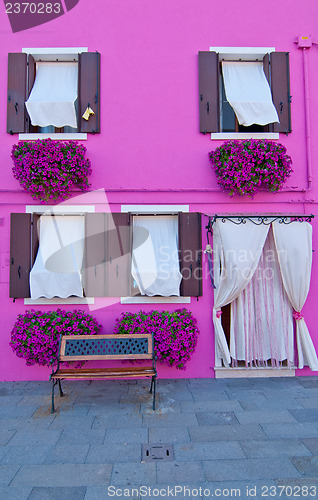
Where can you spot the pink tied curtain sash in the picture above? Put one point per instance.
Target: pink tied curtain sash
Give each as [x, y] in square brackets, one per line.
[297, 315]
[218, 313]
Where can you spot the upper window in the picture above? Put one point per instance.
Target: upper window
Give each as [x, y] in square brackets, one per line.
[53, 91]
[244, 91]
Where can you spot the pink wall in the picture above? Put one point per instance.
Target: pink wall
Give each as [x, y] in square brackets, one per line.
[150, 136]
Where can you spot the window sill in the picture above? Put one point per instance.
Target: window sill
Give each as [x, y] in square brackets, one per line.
[56, 301]
[55, 136]
[244, 135]
[155, 300]
[253, 372]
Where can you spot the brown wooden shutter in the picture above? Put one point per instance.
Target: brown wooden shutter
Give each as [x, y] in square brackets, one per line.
[209, 73]
[20, 255]
[89, 91]
[118, 244]
[279, 66]
[190, 249]
[31, 80]
[95, 255]
[17, 66]
[107, 257]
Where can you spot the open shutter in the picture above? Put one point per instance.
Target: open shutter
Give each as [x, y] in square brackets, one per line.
[20, 255]
[190, 250]
[17, 66]
[31, 80]
[279, 64]
[209, 72]
[95, 255]
[89, 91]
[118, 244]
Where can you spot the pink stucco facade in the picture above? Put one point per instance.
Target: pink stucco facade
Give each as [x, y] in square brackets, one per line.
[150, 150]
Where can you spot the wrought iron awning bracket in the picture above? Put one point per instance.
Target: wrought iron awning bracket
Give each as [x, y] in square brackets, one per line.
[258, 219]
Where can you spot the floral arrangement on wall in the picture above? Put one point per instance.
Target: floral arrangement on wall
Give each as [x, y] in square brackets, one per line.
[49, 169]
[35, 335]
[243, 167]
[175, 333]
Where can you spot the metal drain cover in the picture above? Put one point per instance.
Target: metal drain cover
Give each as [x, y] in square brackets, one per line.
[154, 452]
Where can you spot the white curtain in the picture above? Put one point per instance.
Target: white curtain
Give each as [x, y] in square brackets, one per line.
[294, 247]
[262, 316]
[53, 96]
[155, 260]
[237, 250]
[248, 92]
[57, 268]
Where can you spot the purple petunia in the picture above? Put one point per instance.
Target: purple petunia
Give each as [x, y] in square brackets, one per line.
[242, 167]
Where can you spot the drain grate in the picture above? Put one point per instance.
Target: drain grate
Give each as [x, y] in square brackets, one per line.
[154, 452]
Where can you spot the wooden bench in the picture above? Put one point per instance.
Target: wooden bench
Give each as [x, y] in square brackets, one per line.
[102, 348]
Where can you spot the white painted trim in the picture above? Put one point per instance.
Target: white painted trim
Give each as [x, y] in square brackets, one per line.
[253, 372]
[155, 209]
[244, 135]
[242, 53]
[56, 136]
[52, 53]
[155, 300]
[60, 209]
[56, 301]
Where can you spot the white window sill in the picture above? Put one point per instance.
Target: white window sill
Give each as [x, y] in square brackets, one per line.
[253, 372]
[244, 135]
[56, 301]
[55, 136]
[155, 300]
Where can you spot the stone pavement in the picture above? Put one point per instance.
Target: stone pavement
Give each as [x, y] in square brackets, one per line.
[229, 438]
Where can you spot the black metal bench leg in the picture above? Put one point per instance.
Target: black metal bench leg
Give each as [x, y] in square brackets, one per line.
[151, 385]
[53, 384]
[60, 387]
[154, 393]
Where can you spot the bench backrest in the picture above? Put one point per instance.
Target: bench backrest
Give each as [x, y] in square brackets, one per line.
[94, 347]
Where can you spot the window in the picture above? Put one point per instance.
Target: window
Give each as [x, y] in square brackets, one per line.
[23, 69]
[217, 116]
[107, 262]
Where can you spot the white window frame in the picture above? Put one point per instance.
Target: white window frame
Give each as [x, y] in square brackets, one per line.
[155, 209]
[58, 210]
[51, 54]
[243, 54]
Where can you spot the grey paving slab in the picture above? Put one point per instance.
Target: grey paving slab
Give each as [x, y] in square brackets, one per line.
[40, 437]
[290, 392]
[111, 491]
[126, 435]
[308, 415]
[17, 411]
[63, 421]
[308, 402]
[308, 382]
[7, 473]
[117, 420]
[270, 404]
[207, 451]
[75, 493]
[113, 407]
[81, 436]
[19, 455]
[198, 406]
[217, 418]
[113, 452]
[15, 493]
[60, 475]
[290, 430]
[10, 400]
[311, 444]
[142, 473]
[6, 435]
[307, 466]
[163, 407]
[210, 395]
[31, 424]
[274, 448]
[162, 420]
[259, 416]
[168, 435]
[249, 468]
[180, 472]
[67, 454]
[226, 432]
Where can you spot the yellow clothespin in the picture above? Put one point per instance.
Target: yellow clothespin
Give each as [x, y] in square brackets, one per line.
[88, 112]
